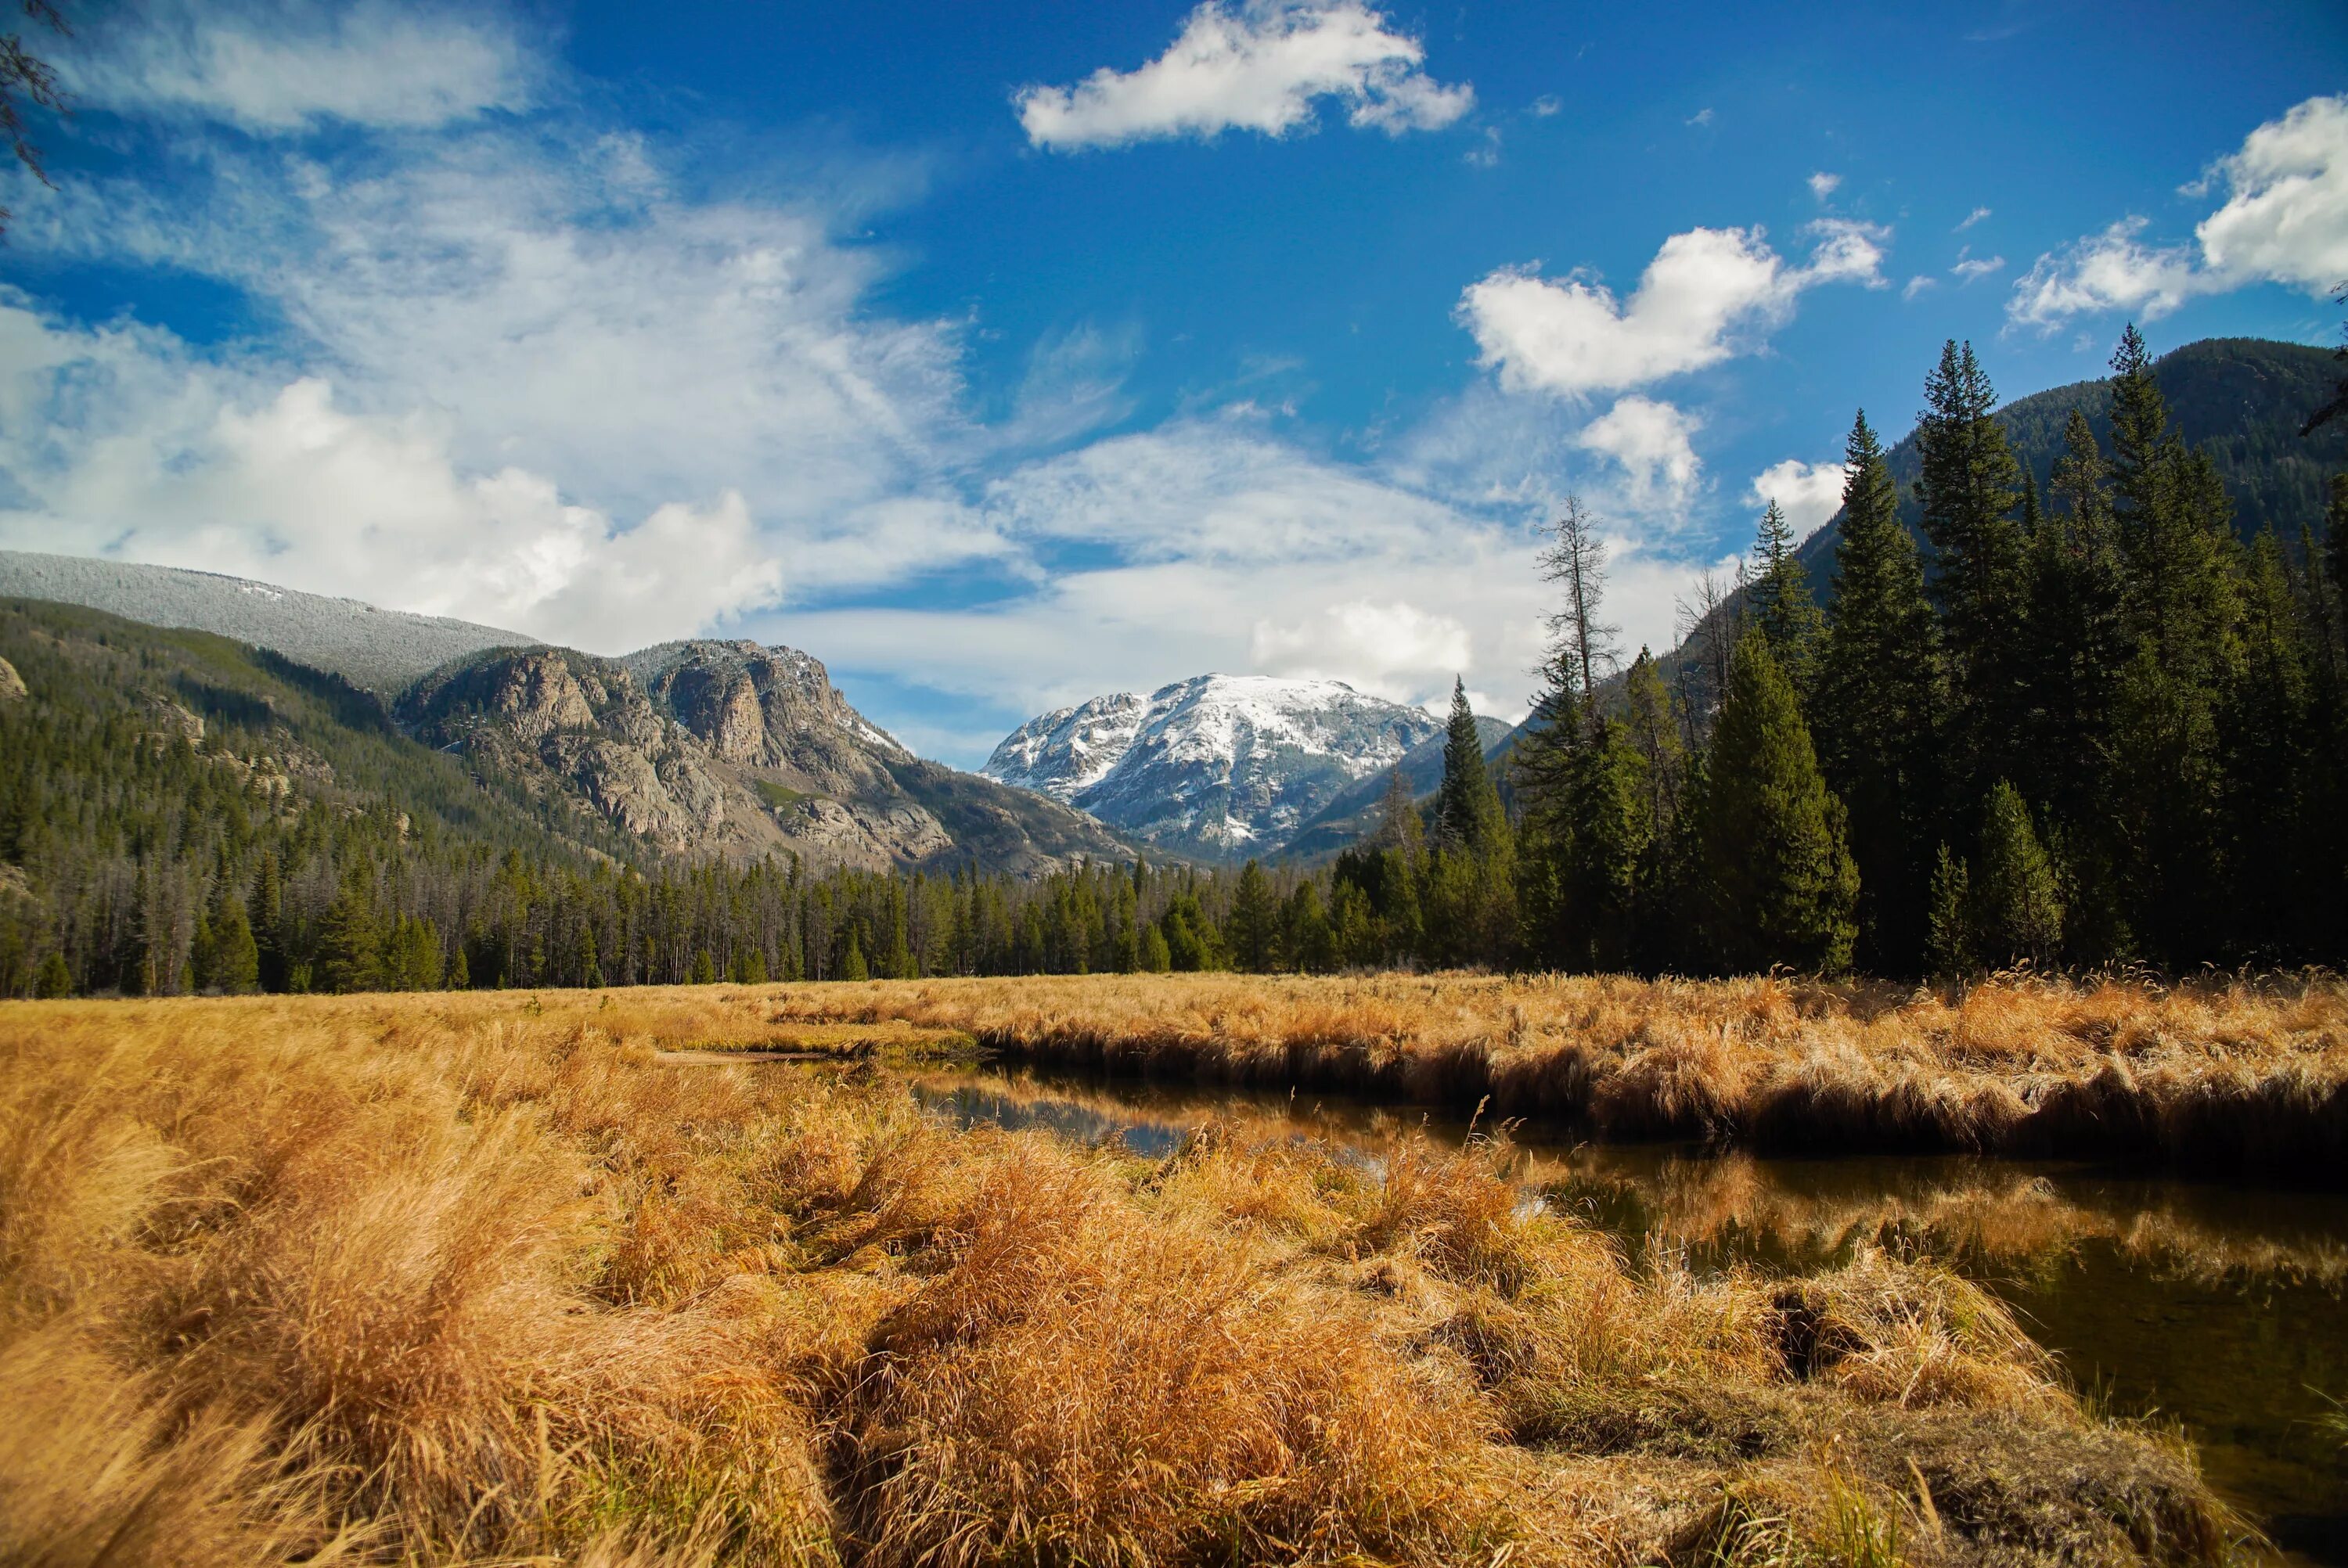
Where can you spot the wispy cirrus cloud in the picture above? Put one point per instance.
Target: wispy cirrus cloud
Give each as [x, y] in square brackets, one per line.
[281, 68]
[1263, 67]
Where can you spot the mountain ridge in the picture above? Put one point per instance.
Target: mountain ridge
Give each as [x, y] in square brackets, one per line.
[1220, 767]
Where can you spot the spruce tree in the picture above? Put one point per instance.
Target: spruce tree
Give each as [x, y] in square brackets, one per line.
[1949, 932]
[1468, 812]
[1780, 598]
[1254, 922]
[2018, 904]
[1878, 703]
[56, 977]
[1778, 880]
[350, 939]
[1966, 487]
[236, 958]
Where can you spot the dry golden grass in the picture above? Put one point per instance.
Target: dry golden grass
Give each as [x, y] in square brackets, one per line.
[2223, 1074]
[479, 1279]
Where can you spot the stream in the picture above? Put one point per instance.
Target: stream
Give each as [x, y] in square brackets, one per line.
[2222, 1307]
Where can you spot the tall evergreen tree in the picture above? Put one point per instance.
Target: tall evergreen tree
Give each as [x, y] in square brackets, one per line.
[1777, 882]
[2018, 906]
[1782, 603]
[1255, 922]
[1467, 814]
[1877, 702]
[1966, 486]
[350, 938]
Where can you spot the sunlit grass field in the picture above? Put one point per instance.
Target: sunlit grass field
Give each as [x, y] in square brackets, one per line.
[493, 1277]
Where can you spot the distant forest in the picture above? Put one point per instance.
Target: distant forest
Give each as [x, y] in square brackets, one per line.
[2086, 724]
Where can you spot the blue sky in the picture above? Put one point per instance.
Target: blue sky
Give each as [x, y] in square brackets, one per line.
[1002, 356]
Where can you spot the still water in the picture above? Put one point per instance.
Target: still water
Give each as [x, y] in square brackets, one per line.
[2222, 1308]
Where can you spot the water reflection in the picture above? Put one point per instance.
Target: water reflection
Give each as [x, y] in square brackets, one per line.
[2219, 1306]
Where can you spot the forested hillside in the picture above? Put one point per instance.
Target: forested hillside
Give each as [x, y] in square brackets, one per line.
[2240, 400]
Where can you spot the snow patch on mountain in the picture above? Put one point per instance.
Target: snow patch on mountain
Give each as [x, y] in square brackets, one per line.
[1216, 765]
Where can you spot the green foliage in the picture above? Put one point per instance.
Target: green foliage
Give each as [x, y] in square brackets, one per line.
[1878, 703]
[1780, 601]
[2018, 910]
[1778, 885]
[1949, 933]
[1255, 922]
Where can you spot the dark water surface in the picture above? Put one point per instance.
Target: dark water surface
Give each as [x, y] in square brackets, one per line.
[2222, 1308]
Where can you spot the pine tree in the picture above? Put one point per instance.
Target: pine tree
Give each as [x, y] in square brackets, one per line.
[1468, 807]
[1780, 598]
[1878, 700]
[704, 968]
[1967, 489]
[1254, 922]
[55, 979]
[1948, 935]
[1778, 882]
[1469, 903]
[350, 939]
[1156, 958]
[2018, 906]
[852, 966]
[236, 960]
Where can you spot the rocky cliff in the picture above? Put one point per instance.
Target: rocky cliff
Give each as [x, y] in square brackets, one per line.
[729, 749]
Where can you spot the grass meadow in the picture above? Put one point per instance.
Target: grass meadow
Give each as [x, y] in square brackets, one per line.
[495, 1277]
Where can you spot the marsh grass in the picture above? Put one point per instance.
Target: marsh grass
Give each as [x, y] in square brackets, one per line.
[2224, 1074]
[479, 1278]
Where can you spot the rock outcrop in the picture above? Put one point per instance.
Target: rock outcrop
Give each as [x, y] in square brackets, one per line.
[729, 749]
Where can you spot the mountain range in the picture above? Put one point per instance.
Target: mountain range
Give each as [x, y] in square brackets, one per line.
[695, 749]
[1217, 766]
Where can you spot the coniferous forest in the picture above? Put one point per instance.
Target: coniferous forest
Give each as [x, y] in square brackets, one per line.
[2083, 726]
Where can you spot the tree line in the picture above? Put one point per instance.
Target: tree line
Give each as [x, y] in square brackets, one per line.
[2083, 727]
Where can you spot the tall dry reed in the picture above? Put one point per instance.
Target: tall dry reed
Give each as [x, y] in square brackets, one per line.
[483, 1278]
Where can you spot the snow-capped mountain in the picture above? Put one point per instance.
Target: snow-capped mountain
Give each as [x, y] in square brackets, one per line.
[1218, 765]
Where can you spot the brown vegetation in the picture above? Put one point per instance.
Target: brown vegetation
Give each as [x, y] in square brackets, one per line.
[2219, 1075]
[480, 1278]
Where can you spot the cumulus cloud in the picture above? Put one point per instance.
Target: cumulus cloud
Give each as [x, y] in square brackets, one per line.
[1383, 648]
[274, 68]
[1823, 185]
[1651, 441]
[1972, 218]
[1810, 493]
[1969, 268]
[1262, 66]
[128, 446]
[1572, 337]
[1547, 105]
[2284, 221]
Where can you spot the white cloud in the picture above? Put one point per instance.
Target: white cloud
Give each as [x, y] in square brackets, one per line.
[274, 68]
[1919, 284]
[2284, 221]
[1823, 185]
[120, 444]
[1572, 337]
[1261, 66]
[1701, 117]
[1651, 441]
[2113, 270]
[1972, 218]
[1969, 268]
[1808, 493]
[1383, 648]
[2286, 218]
[1547, 105]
